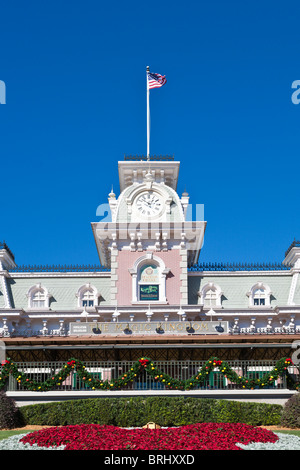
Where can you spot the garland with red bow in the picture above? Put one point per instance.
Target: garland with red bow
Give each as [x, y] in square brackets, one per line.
[143, 364]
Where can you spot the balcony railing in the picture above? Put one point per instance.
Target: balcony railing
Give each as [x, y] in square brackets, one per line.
[183, 370]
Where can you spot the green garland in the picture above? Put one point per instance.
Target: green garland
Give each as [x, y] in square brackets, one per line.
[142, 364]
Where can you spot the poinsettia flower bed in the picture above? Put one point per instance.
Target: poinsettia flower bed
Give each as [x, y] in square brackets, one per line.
[202, 436]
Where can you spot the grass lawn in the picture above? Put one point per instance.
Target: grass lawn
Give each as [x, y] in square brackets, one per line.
[295, 433]
[6, 434]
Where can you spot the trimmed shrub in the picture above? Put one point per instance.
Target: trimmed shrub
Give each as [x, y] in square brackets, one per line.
[137, 411]
[10, 416]
[291, 412]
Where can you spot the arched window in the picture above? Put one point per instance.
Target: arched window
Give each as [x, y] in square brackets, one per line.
[210, 295]
[259, 295]
[149, 279]
[148, 282]
[38, 297]
[87, 296]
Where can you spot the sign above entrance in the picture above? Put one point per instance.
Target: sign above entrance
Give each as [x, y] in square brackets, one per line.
[150, 328]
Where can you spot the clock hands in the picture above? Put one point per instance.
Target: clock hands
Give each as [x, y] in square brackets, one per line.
[149, 204]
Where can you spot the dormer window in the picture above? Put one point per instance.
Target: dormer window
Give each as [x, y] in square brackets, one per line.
[88, 299]
[210, 295]
[38, 297]
[87, 296]
[260, 295]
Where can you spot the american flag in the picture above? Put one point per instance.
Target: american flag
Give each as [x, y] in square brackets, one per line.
[155, 80]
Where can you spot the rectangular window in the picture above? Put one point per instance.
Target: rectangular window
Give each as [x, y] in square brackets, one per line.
[149, 292]
[38, 303]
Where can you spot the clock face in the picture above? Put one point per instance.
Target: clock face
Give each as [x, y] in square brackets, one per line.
[149, 204]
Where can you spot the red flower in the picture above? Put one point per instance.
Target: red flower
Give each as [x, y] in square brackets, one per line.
[202, 436]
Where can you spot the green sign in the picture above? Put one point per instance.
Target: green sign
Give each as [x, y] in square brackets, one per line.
[149, 292]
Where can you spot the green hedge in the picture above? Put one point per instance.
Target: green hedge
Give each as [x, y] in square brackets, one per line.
[291, 412]
[137, 411]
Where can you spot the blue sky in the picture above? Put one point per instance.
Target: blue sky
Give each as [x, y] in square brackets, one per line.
[76, 104]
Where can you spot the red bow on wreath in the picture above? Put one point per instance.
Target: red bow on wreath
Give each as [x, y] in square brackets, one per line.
[143, 362]
[217, 363]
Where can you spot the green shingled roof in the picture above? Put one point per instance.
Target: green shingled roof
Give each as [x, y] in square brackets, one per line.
[62, 289]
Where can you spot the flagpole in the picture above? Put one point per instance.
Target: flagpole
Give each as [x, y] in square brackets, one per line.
[148, 115]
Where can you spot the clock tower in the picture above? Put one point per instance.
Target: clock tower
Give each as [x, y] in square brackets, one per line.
[149, 243]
